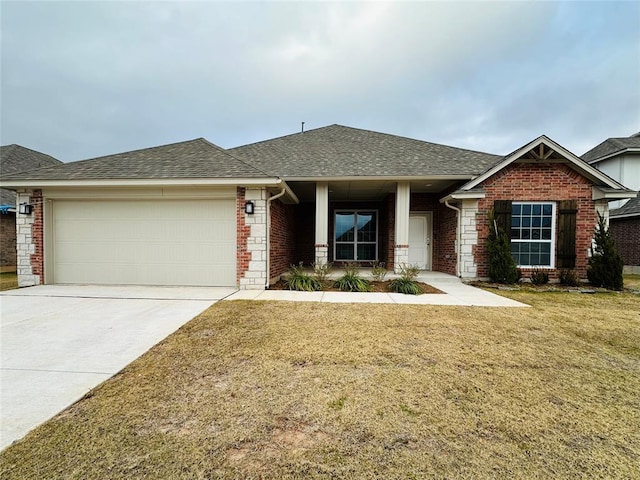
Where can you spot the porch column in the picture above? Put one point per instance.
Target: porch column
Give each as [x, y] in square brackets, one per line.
[322, 223]
[401, 247]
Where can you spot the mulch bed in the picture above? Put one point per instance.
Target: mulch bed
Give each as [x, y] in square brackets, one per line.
[376, 286]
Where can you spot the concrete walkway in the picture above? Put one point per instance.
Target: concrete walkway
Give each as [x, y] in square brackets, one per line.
[455, 293]
[58, 342]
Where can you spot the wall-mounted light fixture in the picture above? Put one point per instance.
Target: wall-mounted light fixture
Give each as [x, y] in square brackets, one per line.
[249, 207]
[25, 209]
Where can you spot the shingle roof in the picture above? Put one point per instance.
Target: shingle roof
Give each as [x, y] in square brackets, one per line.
[610, 146]
[191, 159]
[632, 207]
[16, 158]
[337, 151]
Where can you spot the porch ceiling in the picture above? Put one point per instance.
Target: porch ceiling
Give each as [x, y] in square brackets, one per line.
[366, 190]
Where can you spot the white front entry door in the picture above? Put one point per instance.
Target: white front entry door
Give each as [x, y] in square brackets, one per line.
[420, 240]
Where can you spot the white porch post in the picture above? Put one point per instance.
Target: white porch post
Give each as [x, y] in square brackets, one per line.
[401, 247]
[322, 223]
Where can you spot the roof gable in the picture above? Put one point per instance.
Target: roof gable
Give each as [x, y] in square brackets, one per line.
[543, 149]
[338, 151]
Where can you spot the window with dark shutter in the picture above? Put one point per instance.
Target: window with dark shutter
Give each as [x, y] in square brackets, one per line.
[567, 210]
[502, 214]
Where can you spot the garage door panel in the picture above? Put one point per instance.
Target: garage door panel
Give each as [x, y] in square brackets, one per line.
[177, 242]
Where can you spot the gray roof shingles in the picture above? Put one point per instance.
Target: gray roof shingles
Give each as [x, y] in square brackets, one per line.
[632, 207]
[16, 158]
[191, 159]
[338, 151]
[610, 146]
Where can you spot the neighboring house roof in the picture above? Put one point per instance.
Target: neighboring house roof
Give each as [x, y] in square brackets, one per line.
[611, 147]
[629, 209]
[338, 151]
[191, 159]
[16, 158]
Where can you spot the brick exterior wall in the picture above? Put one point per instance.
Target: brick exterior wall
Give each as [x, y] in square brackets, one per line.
[242, 252]
[8, 251]
[539, 182]
[626, 233]
[282, 238]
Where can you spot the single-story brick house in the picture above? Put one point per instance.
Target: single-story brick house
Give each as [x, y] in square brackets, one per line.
[620, 159]
[192, 213]
[15, 158]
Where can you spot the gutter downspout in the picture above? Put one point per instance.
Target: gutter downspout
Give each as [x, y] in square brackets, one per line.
[458, 219]
[268, 252]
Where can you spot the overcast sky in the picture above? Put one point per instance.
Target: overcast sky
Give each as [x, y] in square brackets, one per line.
[85, 79]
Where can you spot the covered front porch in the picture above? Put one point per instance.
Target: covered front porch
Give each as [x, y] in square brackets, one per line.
[395, 222]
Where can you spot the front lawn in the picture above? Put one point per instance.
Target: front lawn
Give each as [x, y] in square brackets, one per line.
[306, 390]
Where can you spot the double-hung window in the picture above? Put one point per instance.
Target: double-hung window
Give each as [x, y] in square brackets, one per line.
[356, 235]
[533, 233]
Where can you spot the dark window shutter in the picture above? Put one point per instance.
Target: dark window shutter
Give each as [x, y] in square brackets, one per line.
[567, 210]
[502, 215]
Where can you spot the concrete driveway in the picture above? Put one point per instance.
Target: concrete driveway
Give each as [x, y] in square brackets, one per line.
[58, 342]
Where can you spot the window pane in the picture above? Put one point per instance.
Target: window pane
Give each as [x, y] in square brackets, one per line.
[515, 209]
[546, 221]
[526, 222]
[344, 226]
[536, 221]
[366, 227]
[515, 221]
[366, 251]
[526, 209]
[547, 209]
[537, 209]
[344, 251]
[546, 234]
[526, 234]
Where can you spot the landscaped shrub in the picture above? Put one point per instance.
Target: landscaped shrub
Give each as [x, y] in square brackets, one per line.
[569, 278]
[406, 282]
[502, 267]
[299, 280]
[605, 264]
[351, 281]
[539, 277]
[378, 271]
[322, 270]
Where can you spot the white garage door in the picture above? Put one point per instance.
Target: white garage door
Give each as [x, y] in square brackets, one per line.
[161, 242]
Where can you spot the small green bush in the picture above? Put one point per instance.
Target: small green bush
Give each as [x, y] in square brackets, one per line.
[299, 280]
[569, 278]
[351, 281]
[605, 264]
[322, 270]
[406, 283]
[539, 277]
[378, 271]
[502, 267]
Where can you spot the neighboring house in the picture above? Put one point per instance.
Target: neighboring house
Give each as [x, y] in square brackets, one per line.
[14, 158]
[620, 159]
[192, 213]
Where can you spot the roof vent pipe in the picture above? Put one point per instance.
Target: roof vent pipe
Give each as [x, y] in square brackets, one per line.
[302, 129]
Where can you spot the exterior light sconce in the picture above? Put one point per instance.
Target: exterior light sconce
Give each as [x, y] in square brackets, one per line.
[249, 208]
[25, 209]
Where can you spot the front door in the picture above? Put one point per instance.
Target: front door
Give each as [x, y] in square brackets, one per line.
[420, 240]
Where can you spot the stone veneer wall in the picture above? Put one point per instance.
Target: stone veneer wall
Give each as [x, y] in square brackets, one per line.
[30, 240]
[252, 239]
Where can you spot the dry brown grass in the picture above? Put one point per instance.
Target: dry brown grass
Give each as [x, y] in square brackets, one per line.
[305, 390]
[8, 281]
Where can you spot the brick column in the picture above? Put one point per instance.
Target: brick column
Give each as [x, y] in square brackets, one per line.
[252, 239]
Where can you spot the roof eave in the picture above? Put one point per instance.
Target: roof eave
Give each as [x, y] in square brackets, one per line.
[612, 194]
[613, 154]
[145, 182]
[353, 178]
[464, 195]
